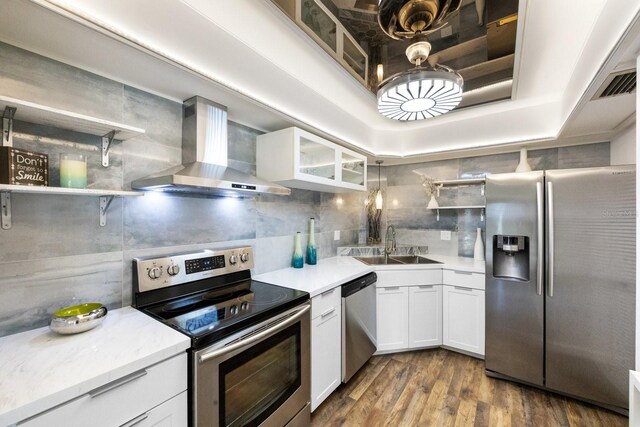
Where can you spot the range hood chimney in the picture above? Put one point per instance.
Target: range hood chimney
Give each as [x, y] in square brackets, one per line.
[204, 167]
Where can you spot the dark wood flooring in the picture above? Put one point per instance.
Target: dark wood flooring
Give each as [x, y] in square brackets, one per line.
[443, 388]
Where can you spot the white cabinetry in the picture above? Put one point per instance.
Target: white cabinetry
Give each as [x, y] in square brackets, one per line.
[299, 159]
[392, 318]
[425, 316]
[463, 311]
[156, 395]
[326, 342]
[409, 309]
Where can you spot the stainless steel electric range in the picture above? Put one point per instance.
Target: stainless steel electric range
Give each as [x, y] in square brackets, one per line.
[249, 360]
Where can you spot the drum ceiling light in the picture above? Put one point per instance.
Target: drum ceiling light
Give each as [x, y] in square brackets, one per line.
[421, 92]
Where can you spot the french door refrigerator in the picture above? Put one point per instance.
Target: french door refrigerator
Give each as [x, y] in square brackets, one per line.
[560, 281]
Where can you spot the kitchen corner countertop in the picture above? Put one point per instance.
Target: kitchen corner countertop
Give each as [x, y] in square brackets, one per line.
[316, 279]
[40, 369]
[332, 272]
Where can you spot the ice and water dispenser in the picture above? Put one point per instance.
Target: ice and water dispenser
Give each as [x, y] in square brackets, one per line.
[511, 257]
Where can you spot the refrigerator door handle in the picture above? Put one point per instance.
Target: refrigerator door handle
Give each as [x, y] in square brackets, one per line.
[540, 206]
[550, 240]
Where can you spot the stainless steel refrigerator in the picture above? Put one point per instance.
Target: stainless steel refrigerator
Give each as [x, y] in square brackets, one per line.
[560, 281]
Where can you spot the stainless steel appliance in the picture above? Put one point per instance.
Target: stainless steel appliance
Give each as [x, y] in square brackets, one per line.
[560, 281]
[204, 167]
[250, 354]
[358, 323]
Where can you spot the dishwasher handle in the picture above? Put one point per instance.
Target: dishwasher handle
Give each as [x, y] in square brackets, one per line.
[356, 285]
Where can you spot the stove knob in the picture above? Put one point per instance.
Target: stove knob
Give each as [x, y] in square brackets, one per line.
[233, 310]
[244, 306]
[233, 260]
[173, 269]
[244, 257]
[154, 273]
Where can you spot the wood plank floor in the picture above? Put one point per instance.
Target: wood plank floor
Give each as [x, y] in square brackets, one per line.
[443, 388]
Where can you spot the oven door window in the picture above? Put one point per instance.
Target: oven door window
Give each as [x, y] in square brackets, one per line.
[254, 383]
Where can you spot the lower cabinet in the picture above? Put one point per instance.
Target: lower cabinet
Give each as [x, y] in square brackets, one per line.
[409, 312]
[463, 318]
[425, 316]
[326, 345]
[392, 318]
[154, 396]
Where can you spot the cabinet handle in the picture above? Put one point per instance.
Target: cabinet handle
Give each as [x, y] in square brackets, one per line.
[466, 273]
[391, 288]
[330, 291]
[117, 383]
[326, 313]
[136, 420]
[462, 288]
[426, 286]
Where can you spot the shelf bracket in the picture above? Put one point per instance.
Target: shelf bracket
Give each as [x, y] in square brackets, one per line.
[482, 215]
[106, 145]
[482, 189]
[437, 214]
[105, 202]
[7, 126]
[5, 198]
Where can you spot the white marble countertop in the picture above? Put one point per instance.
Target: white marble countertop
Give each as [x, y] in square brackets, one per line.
[332, 272]
[316, 279]
[40, 369]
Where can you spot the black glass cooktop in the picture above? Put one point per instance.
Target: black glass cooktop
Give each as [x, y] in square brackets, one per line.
[210, 315]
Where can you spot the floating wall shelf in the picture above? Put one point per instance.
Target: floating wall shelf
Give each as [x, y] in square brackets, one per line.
[31, 112]
[458, 207]
[26, 111]
[106, 197]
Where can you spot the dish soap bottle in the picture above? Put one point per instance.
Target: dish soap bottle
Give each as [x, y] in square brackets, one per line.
[297, 261]
[312, 256]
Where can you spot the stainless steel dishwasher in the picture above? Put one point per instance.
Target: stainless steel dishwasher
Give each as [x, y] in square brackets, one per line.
[358, 323]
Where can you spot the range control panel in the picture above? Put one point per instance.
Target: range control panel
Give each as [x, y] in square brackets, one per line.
[156, 273]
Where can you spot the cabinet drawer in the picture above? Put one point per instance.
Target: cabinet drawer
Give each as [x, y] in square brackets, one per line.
[463, 278]
[321, 304]
[121, 400]
[172, 413]
[408, 277]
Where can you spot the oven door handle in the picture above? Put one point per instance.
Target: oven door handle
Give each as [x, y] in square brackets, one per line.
[253, 338]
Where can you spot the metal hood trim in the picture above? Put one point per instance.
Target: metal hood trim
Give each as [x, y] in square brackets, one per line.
[208, 179]
[204, 142]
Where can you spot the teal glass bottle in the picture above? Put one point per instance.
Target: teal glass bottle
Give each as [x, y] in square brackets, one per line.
[312, 255]
[297, 261]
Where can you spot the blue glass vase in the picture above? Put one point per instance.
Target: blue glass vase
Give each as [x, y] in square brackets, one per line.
[297, 261]
[312, 256]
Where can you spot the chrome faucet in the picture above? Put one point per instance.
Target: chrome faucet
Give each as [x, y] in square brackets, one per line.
[390, 246]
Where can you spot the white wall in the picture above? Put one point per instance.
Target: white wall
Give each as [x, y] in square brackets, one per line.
[623, 147]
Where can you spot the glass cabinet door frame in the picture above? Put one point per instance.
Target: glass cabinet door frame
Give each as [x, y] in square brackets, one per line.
[338, 153]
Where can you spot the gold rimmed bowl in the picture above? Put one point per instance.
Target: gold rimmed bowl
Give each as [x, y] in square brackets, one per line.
[78, 318]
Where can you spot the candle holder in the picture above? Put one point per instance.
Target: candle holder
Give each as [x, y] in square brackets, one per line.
[73, 170]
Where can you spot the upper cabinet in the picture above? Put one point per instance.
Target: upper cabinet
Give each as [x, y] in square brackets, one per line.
[299, 159]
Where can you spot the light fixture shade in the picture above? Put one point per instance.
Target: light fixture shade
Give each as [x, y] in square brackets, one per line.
[420, 94]
[379, 199]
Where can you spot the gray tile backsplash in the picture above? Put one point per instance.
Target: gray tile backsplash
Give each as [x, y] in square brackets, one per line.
[56, 254]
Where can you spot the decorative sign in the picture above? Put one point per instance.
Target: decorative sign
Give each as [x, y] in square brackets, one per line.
[19, 167]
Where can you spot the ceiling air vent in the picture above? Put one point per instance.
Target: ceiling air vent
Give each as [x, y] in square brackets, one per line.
[619, 83]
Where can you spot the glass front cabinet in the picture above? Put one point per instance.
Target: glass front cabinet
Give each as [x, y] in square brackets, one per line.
[299, 159]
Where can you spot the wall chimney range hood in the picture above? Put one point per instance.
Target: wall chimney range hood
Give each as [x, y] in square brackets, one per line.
[204, 167]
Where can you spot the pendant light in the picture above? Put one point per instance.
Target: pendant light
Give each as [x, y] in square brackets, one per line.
[379, 193]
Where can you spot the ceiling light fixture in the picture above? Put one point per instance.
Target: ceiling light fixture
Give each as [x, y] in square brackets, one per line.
[379, 193]
[419, 93]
